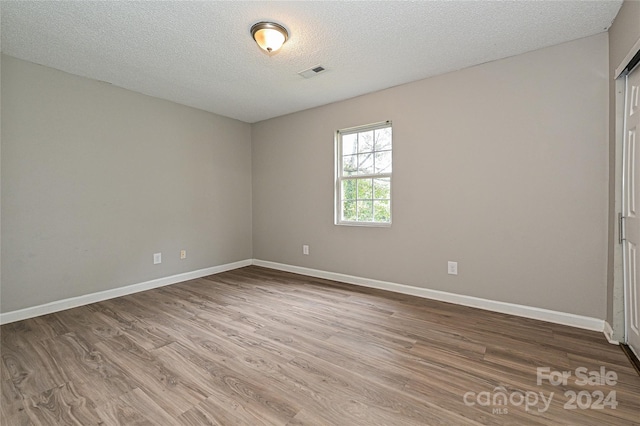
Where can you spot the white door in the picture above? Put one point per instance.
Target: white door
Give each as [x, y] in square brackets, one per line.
[630, 200]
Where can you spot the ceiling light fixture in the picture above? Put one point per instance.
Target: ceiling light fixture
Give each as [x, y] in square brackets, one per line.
[269, 35]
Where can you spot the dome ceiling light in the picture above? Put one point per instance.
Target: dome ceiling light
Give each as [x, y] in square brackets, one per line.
[269, 35]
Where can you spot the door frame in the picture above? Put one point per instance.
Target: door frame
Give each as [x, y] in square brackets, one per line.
[616, 332]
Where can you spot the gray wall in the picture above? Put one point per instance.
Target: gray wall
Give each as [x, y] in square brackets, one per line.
[95, 179]
[502, 167]
[623, 34]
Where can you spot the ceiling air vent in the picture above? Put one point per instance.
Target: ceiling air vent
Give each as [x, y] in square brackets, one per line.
[313, 71]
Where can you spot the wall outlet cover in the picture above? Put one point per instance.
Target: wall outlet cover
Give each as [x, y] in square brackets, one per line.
[452, 268]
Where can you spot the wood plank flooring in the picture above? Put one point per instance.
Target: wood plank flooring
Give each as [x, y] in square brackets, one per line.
[261, 347]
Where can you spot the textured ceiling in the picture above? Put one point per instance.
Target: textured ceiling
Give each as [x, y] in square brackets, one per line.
[202, 55]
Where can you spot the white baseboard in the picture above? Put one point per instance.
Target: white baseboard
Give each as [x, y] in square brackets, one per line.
[557, 317]
[608, 333]
[73, 302]
[579, 321]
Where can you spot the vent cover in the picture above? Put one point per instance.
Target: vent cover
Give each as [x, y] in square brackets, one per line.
[313, 71]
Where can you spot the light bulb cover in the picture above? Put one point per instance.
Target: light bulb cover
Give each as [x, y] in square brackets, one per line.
[269, 35]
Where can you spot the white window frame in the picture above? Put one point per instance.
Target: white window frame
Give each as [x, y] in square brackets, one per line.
[339, 178]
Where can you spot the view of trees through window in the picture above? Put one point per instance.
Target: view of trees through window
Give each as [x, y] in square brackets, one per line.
[365, 175]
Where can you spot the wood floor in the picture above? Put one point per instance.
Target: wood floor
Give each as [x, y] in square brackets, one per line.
[256, 346]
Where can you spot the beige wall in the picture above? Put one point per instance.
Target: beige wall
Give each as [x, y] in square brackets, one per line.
[502, 167]
[95, 179]
[623, 34]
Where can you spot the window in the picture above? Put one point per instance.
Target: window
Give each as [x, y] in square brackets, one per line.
[363, 175]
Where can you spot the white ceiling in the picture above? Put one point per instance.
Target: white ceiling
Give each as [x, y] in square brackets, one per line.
[202, 55]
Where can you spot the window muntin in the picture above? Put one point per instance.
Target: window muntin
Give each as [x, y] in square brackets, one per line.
[364, 167]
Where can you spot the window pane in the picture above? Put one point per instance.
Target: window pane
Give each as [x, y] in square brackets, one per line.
[382, 189]
[365, 163]
[365, 141]
[383, 162]
[365, 189]
[349, 211]
[349, 189]
[349, 165]
[382, 211]
[383, 139]
[364, 173]
[349, 144]
[365, 211]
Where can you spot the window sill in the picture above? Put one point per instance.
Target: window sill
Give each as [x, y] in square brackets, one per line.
[366, 224]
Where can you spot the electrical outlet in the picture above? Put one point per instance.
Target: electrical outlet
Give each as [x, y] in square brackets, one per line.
[452, 268]
[157, 258]
[305, 250]
[183, 254]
